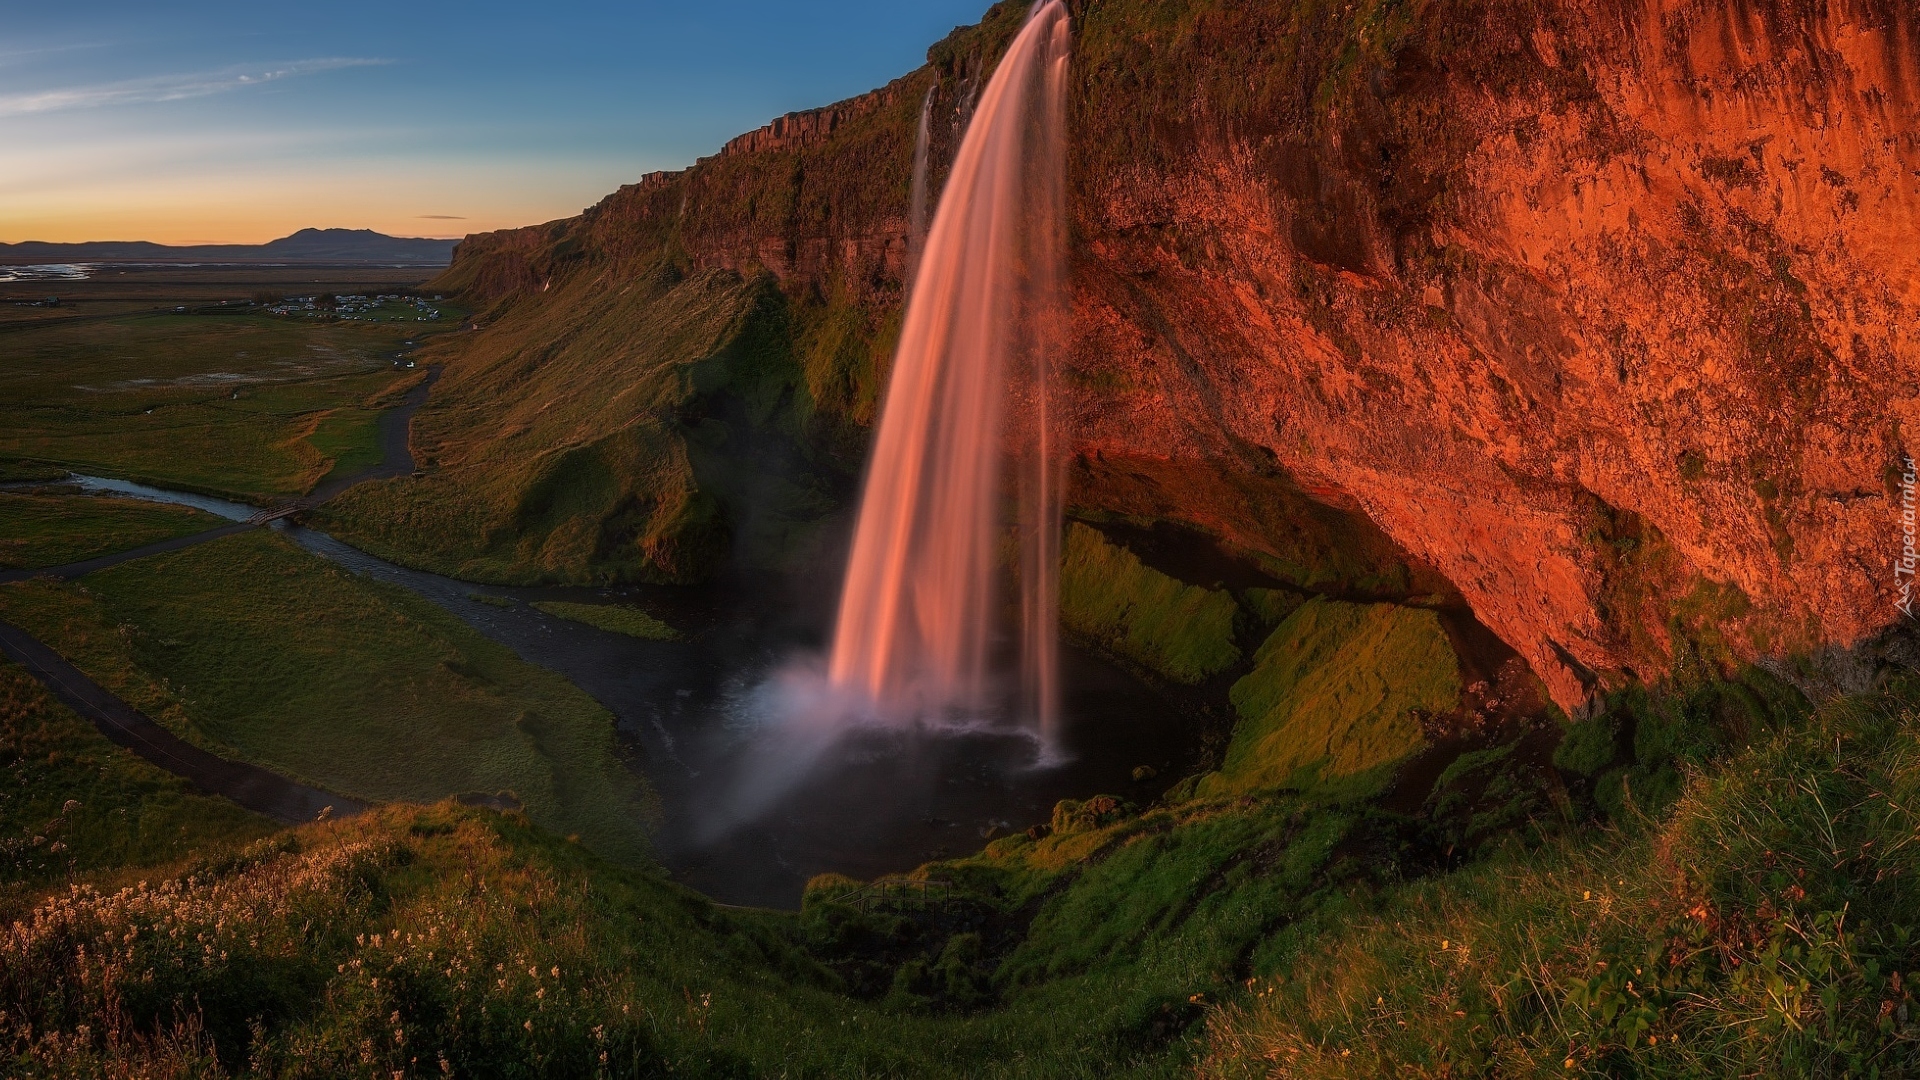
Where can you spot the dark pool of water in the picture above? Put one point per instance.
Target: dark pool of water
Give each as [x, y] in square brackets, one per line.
[874, 802]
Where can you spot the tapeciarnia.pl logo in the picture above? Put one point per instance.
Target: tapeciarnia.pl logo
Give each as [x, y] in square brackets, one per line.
[1903, 567]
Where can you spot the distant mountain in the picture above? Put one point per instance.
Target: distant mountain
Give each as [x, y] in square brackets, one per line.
[333, 247]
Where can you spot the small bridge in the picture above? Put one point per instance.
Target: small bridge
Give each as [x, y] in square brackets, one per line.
[275, 513]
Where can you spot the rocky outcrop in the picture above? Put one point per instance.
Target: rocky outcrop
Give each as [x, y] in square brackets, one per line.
[811, 127]
[1604, 309]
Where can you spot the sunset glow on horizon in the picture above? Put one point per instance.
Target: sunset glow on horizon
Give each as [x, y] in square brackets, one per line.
[226, 123]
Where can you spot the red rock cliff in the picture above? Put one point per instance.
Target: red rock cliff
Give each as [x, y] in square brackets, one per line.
[1604, 308]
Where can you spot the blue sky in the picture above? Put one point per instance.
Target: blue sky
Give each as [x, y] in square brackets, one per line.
[231, 122]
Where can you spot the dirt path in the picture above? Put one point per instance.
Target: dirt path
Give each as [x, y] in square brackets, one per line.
[281, 798]
[263, 792]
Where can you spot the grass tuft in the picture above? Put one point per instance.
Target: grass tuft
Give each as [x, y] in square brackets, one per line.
[618, 618]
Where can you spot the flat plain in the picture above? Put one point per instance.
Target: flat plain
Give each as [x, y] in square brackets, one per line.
[185, 380]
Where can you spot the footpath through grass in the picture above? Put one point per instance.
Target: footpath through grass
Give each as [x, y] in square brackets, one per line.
[52, 529]
[74, 803]
[251, 646]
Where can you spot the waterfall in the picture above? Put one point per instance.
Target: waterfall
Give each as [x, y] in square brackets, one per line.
[917, 202]
[982, 320]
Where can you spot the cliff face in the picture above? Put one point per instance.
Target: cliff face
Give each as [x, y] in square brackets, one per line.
[1602, 309]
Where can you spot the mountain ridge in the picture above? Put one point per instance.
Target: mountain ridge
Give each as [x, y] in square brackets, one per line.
[319, 246]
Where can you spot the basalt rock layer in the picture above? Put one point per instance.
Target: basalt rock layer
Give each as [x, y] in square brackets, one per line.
[1600, 309]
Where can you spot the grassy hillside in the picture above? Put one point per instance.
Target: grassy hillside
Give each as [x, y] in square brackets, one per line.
[1760, 923]
[619, 428]
[1768, 924]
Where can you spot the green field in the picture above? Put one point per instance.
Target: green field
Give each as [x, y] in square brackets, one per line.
[250, 646]
[49, 529]
[220, 399]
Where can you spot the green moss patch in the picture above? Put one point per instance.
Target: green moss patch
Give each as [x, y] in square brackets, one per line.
[619, 618]
[1339, 689]
[1181, 631]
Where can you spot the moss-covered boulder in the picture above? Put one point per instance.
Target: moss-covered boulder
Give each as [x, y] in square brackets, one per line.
[1336, 691]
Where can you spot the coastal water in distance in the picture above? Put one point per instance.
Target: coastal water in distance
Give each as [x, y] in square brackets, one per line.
[48, 272]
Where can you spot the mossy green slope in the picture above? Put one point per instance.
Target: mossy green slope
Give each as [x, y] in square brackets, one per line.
[1108, 595]
[251, 646]
[1764, 925]
[1338, 689]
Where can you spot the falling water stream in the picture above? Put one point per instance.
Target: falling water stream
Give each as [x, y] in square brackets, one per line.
[918, 603]
[917, 198]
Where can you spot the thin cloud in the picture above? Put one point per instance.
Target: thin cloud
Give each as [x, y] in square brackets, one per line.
[442, 217]
[167, 87]
[10, 56]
